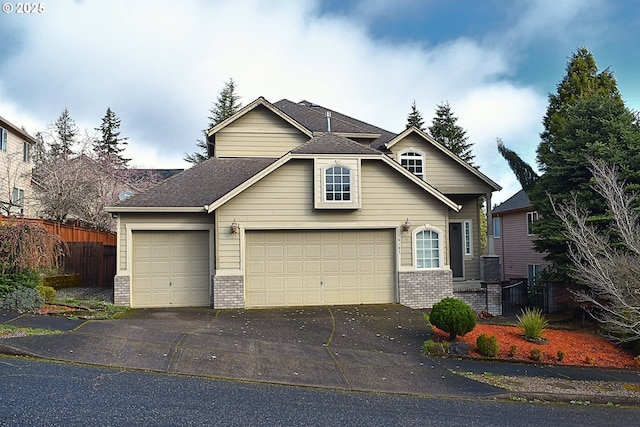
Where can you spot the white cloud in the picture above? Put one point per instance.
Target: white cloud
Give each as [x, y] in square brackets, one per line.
[159, 65]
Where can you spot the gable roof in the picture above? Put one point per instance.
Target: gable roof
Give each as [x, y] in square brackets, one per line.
[428, 138]
[518, 201]
[313, 117]
[196, 187]
[263, 102]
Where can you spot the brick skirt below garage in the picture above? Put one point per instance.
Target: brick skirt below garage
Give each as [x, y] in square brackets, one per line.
[228, 292]
[422, 289]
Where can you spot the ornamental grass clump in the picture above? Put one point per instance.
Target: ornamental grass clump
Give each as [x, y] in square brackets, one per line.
[532, 322]
[453, 316]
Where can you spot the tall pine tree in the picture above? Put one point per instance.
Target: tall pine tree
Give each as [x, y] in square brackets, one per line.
[109, 145]
[415, 118]
[227, 104]
[586, 118]
[447, 132]
[66, 132]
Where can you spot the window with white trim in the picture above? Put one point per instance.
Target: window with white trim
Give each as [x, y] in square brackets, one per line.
[413, 161]
[531, 218]
[496, 227]
[467, 238]
[17, 198]
[3, 140]
[428, 248]
[26, 152]
[533, 274]
[337, 184]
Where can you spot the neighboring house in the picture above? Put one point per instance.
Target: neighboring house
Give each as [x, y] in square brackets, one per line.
[16, 167]
[513, 239]
[300, 205]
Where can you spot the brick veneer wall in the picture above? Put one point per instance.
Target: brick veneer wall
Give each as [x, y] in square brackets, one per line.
[122, 290]
[422, 289]
[488, 298]
[228, 292]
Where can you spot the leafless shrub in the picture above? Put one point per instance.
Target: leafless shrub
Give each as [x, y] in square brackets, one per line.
[27, 246]
[609, 272]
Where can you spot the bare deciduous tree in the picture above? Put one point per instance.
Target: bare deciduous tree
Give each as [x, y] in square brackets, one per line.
[607, 262]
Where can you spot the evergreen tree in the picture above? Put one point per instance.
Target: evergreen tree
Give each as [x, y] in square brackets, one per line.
[66, 132]
[415, 118]
[523, 171]
[227, 104]
[445, 130]
[109, 145]
[586, 118]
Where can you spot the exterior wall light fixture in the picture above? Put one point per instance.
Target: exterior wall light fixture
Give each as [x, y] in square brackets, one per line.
[234, 227]
[406, 225]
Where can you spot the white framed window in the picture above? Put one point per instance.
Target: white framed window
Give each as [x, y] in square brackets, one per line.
[428, 248]
[531, 218]
[3, 140]
[467, 238]
[496, 227]
[337, 183]
[413, 161]
[26, 152]
[17, 198]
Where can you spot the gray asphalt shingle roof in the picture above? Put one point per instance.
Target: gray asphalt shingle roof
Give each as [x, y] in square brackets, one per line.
[330, 143]
[200, 185]
[312, 116]
[520, 200]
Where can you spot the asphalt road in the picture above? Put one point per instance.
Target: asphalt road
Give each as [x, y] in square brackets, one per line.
[34, 392]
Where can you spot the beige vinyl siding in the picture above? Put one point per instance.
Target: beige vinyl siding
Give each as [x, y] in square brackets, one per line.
[515, 247]
[14, 172]
[284, 199]
[259, 133]
[441, 171]
[162, 221]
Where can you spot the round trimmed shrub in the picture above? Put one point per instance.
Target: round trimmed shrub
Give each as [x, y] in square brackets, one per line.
[487, 345]
[47, 293]
[453, 316]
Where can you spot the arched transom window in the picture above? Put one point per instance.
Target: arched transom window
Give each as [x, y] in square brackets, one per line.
[428, 250]
[337, 184]
[413, 162]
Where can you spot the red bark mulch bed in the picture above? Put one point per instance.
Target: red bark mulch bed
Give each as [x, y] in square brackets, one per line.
[581, 347]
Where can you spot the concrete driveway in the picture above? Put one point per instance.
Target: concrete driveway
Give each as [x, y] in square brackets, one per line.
[365, 347]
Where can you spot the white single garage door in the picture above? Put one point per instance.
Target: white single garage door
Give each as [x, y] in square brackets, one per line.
[170, 268]
[295, 268]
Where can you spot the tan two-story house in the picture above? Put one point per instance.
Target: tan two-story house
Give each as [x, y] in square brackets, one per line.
[300, 205]
[16, 168]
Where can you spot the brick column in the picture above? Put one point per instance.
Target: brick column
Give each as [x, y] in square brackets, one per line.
[122, 290]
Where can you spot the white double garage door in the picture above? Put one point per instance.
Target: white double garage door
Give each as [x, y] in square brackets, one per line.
[282, 268]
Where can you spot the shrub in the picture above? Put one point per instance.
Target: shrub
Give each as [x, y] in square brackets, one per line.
[23, 299]
[47, 293]
[536, 354]
[433, 348]
[561, 355]
[532, 322]
[513, 350]
[9, 282]
[453, 316]
[487, 345]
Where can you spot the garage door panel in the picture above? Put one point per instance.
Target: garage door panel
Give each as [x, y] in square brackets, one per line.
[319, 267]
[170, 268]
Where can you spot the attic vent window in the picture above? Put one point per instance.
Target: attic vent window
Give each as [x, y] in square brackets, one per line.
[413, 162]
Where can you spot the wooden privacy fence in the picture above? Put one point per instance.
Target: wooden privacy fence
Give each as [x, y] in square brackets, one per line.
[90, 253]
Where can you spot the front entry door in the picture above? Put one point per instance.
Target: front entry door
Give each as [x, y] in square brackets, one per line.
[455, 249]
